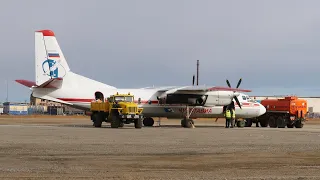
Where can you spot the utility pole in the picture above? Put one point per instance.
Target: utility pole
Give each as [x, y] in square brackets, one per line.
[197, 72]
[7, 91]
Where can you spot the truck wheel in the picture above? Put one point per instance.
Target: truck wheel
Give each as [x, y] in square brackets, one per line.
[138, 123]
[263, 122]
[97, 120]
[115, 121]
[290, 125]
[272, 122]
[281, 122]
[298, 124]
[121, 124]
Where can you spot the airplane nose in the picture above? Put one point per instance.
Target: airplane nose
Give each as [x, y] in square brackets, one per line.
[262, 110]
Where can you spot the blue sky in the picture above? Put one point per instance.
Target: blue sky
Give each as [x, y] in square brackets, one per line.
[273, 45]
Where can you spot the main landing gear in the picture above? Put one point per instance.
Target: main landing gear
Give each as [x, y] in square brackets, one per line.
[186, 121]
[148, 121]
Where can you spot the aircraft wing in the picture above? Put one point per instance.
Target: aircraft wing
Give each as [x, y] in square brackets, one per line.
[208, 88]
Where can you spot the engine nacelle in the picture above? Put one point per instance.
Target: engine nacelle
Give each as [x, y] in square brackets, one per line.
[219, 98]
[213, 98]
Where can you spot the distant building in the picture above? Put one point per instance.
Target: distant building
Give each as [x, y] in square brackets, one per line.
[51, 107]
[15, 108]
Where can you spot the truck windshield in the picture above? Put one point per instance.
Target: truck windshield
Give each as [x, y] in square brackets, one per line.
[123, 98]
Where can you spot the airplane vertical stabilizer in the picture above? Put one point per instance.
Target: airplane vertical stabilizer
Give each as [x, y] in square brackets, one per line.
[49, 59]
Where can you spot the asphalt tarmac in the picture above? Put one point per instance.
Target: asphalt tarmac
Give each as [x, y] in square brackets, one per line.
[74, 149]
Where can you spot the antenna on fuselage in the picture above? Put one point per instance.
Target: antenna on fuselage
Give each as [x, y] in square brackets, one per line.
[197, 72]
[193, 78]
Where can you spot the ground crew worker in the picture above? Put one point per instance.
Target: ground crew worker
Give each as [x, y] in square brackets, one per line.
[233, 119]
[224, 112]
[228, 117]
[233, 113]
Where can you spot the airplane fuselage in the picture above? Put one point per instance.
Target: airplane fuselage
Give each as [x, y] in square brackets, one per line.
[80, 95]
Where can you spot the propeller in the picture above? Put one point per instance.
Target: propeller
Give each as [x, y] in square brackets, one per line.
[235, 97]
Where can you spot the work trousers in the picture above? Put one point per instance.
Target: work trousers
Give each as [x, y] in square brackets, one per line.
[228, 121]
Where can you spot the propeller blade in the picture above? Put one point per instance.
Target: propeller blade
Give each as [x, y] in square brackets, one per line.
[193, 80]
[228, 83]
[239, 82]
[237, 100]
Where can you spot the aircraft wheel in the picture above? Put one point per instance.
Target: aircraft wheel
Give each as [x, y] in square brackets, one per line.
[241, 123]
[188, 123]
[148, 121]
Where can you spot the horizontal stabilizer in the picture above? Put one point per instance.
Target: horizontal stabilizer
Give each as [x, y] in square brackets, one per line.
[51, 83]
[26, 83]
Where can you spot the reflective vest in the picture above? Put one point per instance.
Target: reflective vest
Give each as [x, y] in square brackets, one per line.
[233, 114]
[228, 114]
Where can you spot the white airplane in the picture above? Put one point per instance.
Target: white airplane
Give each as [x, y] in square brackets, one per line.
[55, 81]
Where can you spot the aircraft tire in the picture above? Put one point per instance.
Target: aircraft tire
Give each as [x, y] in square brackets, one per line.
[148, 121]
[188, 123]
[240, 124]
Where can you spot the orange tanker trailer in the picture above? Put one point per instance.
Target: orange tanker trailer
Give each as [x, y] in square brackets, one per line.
[289, 111]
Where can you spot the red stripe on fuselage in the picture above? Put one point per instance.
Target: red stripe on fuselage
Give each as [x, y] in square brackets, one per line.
[90, 100]
[81, 100]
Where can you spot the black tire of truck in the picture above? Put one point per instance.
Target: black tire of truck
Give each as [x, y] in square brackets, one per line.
[298, 124]
[97, 120]
[138, 123]
[115, 121]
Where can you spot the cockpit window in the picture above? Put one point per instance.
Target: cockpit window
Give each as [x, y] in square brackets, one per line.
[244, 97]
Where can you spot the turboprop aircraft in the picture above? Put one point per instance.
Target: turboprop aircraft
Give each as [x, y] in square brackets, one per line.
[55, 81]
